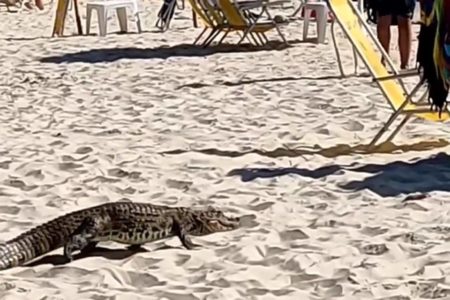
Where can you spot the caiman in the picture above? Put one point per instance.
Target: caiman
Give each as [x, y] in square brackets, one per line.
[124, 222]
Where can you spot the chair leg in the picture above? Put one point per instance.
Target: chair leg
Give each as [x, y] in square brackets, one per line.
[137, 17]
[211, 38]
[194, 19]
[122, 16]
[161, 24]
[321, 21]
[336, 49]
[102, 20]
[281, 35]
[170, 12]
[200, 35]
[251, 41]
[77, 17]
[242, 38]
[399, 127]
[224, 36]
[384, 128]
[163, 21]
[88, 19]
[306, 18]
[246, 32]
[138, 22]
[394, 116]
[355, 60]
[213, 31]
[260, 39]
[251, 34]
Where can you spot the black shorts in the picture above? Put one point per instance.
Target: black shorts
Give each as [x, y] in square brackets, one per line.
[396, 8]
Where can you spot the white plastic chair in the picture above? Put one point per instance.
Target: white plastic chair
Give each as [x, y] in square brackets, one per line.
[321, 10]
[104, 6]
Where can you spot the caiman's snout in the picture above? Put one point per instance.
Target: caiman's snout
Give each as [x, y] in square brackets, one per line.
[226, 223]
[212, 226]
[213, 220]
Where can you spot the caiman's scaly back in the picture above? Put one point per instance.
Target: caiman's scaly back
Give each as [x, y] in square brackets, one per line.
[123, 222]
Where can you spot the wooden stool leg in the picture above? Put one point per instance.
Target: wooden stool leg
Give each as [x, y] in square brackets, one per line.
[194, 19]
[60, 17]
[77, 17]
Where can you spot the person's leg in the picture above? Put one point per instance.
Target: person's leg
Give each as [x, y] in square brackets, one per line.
[404, 40]
[384, 31]
[405, 12]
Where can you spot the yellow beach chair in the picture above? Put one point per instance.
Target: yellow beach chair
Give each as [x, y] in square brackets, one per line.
[238, 22]
[213, 12]
[366, 44]
[207, 22]
[212, 19]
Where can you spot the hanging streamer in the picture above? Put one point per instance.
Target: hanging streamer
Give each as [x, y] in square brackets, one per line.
[433, 54]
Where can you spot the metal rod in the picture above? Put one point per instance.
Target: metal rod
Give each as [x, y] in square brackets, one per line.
[399, 127]
[400, 75]
[200, 35]
[336, 49]
[394, 116]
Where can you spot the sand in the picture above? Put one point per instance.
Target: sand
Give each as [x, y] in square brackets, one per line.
[147, 117]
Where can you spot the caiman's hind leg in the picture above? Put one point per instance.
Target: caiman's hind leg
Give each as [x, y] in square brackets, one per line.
[180, 231]
[83, 238]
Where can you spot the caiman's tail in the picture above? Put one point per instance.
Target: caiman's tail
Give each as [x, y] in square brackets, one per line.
[30, 245]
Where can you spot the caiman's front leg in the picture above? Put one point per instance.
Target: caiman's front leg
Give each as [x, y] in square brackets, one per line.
[84, 236]
[181, 232]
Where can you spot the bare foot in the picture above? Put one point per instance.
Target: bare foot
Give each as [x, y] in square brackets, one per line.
[39, 4]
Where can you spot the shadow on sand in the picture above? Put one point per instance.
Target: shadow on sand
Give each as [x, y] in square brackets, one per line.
[200, 84]
[331, 152]
[111, 254]
[399, 177]
[388, 180]
[163, 52]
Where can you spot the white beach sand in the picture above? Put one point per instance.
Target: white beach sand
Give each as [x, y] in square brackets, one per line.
[167, 123]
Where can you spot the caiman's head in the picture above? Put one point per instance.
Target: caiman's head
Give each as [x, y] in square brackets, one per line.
[210, 221]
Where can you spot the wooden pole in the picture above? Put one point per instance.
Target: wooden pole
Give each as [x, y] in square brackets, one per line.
[77, 17]
[60, 17]
[194, 18]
